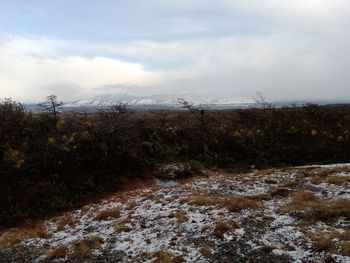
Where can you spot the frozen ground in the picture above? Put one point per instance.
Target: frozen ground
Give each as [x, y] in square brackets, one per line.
[214, 217]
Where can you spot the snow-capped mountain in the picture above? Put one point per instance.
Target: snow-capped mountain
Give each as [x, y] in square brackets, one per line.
[172, 100]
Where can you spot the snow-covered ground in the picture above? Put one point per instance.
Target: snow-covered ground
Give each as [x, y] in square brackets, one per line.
[214, 217]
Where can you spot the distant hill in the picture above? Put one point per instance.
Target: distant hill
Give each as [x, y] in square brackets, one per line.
[173, 101]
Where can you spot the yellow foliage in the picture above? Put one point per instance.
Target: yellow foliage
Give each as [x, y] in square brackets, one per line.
[14, 156]
[293, 129]
[88, 124]
[71, 139]
[51, 141]
[237, 134]
[314, 132]
[66, 149]
[60, 124]
[19, 163]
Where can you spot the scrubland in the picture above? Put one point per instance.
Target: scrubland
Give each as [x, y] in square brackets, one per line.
[55, 163]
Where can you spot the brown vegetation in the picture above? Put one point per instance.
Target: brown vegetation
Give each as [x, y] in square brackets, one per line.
[279, 192]
[310, 208]
[345, 248]
[110, 213]
[51, 162]
[322, 172]
[83, 248]
[345, 235]
[323, 244]
[66, 221]
[206, 251]
[181, 217]
[338, 180]
[123, 226]
[223, 228]
[231, 202]
[164, 256]
[56, 253]
[266, 248]
[17, 235]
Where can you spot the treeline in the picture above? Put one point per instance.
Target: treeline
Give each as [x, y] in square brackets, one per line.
[50, 162]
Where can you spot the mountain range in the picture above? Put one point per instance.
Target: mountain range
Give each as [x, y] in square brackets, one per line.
[171, 101]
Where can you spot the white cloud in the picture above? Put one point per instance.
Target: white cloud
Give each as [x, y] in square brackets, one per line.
[27, 73]
[303, 55]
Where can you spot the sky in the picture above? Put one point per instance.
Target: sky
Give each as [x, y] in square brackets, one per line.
[284, 49]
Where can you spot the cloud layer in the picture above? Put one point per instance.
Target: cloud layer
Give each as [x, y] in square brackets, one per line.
[288, 50]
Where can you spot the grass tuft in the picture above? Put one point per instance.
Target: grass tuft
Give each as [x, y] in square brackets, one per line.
[338, 180]
[162, 256]
[232, 202]
[181, 217]
[206, 251]
[223, 228]
[18, 235]
[56, 253]
[67, 220]
[310, 208]
[83, 248]
[110, 213]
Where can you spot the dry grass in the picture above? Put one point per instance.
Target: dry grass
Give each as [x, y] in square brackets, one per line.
[181, 217]
[223, 228]
[323, 244]
[110, 213]
[279, 192]
[206, 251]
[18, 235]
[56, 253]
[67, 220]
[204, 199]
[342, 236]
[345, 248]
[292, 184]
[330, 242]
[231, 202]
[338, 180]
[308, 207]
[345, 235]
[238, 203]
[123, 226]
[178, 259]
[132, 205]
[162, 256]
[83, 248]
[323, 172]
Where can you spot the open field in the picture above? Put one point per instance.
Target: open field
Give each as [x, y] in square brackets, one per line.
[276, 215]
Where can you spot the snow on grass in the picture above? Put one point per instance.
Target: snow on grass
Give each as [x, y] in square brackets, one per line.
[161, 218]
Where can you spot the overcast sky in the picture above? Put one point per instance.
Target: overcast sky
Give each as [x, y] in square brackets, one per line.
[286, 49]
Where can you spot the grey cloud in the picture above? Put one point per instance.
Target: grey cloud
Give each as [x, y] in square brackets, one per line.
[65, 91]
[298, 50]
